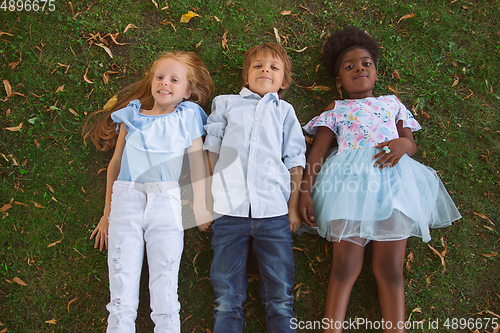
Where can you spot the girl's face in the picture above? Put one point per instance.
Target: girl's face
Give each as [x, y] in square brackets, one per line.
[170, 85]
[357, 74]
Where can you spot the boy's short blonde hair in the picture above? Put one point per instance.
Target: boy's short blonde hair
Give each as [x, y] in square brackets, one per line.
[278, 52]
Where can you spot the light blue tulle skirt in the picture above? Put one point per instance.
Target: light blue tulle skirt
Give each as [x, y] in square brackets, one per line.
[357, 202]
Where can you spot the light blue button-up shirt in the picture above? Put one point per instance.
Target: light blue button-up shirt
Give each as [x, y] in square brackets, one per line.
[258, 140]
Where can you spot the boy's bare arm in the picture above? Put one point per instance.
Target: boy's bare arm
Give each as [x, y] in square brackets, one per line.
[293, 203]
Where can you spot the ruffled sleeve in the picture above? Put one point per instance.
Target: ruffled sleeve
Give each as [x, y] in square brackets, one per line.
[327, 119]
[405, 115]
[126, 115]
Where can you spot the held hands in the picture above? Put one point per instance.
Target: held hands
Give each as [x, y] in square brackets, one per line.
[397, 148]
[101, 234]
[306, 208]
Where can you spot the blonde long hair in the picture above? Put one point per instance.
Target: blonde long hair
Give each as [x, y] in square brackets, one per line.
[103, 133]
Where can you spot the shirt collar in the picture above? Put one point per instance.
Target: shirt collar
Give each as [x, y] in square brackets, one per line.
[245, 92]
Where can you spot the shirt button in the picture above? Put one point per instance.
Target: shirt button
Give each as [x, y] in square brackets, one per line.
[257, 119]
[254, 139]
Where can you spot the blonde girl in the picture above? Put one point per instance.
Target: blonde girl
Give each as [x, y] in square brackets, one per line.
[150, 128]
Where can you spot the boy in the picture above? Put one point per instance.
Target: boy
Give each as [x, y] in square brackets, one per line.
[256, 144]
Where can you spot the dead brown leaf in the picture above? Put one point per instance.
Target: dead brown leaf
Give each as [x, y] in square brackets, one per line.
[113, 38]
[59, 241]
[309, 140]
[277, 36]
[50, 188]
[315, 87]
[484, 217]
[441, 255]
[456, 80]
[36, 143]
[14, 129]
[395, 75]
[224, 41]
[5, 208]
[186, 319]
[52, 321]
[19, 281]
[101, 170]
[6, 33]
[168, 22]
[8, 88]
[13, 65]
[409, 260]
[154, 3]
[73, 112]
[37, 205]
[185, 18]
[490, 255]
[391, 89]
[60, 89]
[129, 26]
[74, 299]
[198, 44]
[406, 17]
[285, 12]
[85, 76]
[301, 50]
[413, 311]
[19, 203]
[108, 51]
[425, 114]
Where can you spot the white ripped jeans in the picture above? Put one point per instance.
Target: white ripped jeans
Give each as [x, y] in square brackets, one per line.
[144, 213]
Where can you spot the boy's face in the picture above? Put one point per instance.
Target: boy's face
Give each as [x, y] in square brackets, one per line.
[265, 74]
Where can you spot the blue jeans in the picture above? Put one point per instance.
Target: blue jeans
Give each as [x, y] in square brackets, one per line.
[272, 248]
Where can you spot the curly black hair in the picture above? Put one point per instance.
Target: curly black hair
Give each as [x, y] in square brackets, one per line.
[343, 41]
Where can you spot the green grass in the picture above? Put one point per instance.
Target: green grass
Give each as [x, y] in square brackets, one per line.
[46, 164]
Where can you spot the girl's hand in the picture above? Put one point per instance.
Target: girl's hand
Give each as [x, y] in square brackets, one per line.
[306, 208]
[398, 147]
[101, 234]
[204, 219]
[294, 220]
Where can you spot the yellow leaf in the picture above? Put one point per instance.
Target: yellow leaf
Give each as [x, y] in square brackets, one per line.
[285, 12]
[108, 51]
[406, 17]
[19, 281]
[130, 26]
[14, 129]
[8, 87]
[187, 17]
[52, 321]
[112, 101]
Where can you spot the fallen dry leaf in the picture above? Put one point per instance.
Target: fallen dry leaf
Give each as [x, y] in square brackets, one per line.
[37, 205]
[224, 41]
[129, 26]
[108, 51]
[101, 170]
[277, 36]
[112, 101]
[395, 75]
[168, 22]
[19, 203]
[216, 18]
[456, 81]
[198, 44]
[489, 255]
[19, 281]
[8, 87]
[286, 12]
[6, 33]
[186, 319]
[440, 255]
[74, 299]
[50, 188]
[315, 87]
[5, 208]
[73, 112]
[52, 321]
[59, 89]
[113, 38]
[414, 310]
[185, 18]
[406, 17]
[85, 76]
[59, 241]
[13, 65]
[425, 114]
[484, 217]
[154, 3]
[14, 129]
[409, 259]
[36, 143]
[301, 50]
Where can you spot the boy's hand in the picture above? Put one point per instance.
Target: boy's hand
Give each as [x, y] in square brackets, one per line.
[294, 221]
[101, 234]
[306, 208]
